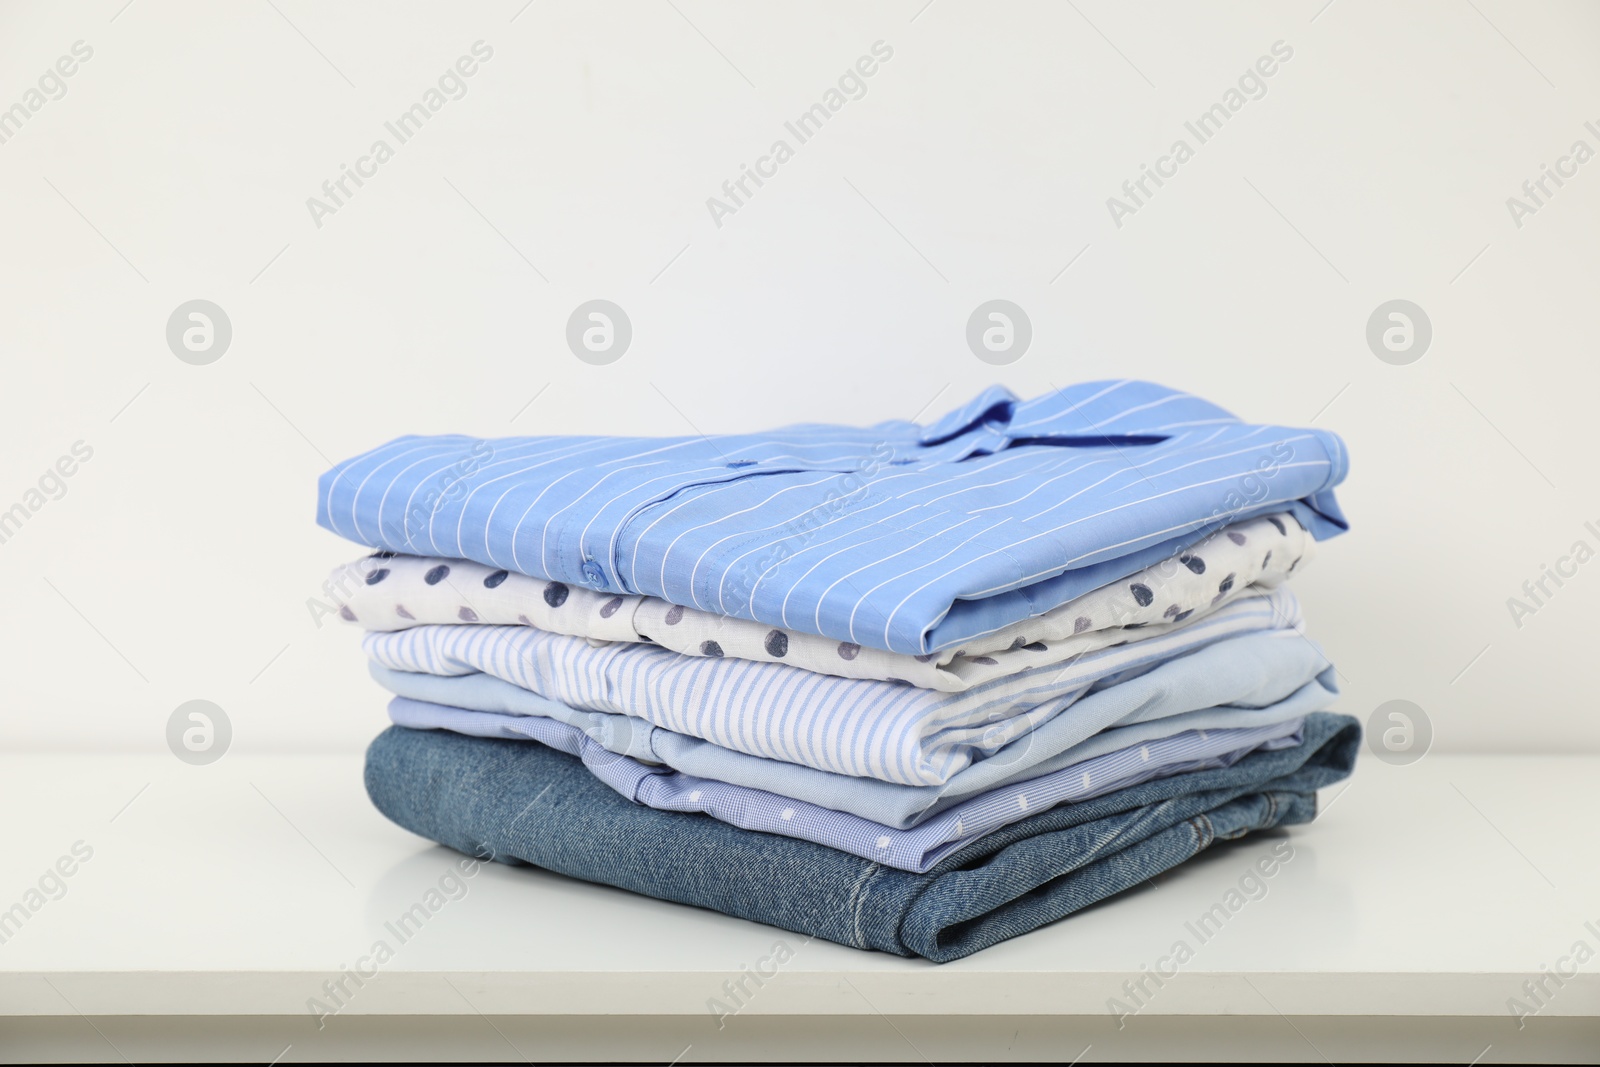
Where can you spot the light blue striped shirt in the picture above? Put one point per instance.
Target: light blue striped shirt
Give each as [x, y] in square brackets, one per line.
[1254, 679]
[897, 536]
[851, 726]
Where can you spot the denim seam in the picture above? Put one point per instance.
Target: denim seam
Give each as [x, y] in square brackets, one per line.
[858, 901]
[1272, 809]
[1204, 831]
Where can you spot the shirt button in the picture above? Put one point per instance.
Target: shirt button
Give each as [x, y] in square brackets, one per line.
[593, 574]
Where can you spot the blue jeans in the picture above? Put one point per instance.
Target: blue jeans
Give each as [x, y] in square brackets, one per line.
[524, 803]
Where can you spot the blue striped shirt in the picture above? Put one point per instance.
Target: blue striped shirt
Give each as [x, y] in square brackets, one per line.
[1253, 679]
[898, 536]
[850, 726]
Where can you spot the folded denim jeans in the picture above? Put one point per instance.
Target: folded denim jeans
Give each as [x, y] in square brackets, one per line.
[524, 803]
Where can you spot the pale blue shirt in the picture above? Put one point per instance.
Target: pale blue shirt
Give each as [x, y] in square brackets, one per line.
[873, 729]
[913, 849]
[1255, 679]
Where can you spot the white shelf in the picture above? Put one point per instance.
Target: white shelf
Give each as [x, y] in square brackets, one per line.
[1429, 891]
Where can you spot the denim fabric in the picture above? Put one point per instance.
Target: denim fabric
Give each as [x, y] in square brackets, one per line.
[1239, 683]
[525, 803]
[907, 538]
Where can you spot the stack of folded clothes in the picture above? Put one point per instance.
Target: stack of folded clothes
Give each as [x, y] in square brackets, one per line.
[910, 688]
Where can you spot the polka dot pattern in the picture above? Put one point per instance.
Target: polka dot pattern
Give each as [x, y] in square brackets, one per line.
[710, 648]
[406, 590]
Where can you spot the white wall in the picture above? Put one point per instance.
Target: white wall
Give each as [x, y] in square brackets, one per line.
[1377, 166]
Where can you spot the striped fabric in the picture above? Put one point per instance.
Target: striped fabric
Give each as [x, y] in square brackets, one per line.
[894, 733]
[1255, 679]
[914, 849]
[901, 537]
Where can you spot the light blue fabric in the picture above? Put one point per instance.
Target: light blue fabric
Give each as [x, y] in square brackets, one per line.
[1258, 679]
[898, 536]
[915, 849]
[874, 729]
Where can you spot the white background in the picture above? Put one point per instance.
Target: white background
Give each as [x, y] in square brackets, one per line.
[978, 164]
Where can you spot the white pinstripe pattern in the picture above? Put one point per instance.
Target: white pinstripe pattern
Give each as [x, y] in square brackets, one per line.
[898, 537]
